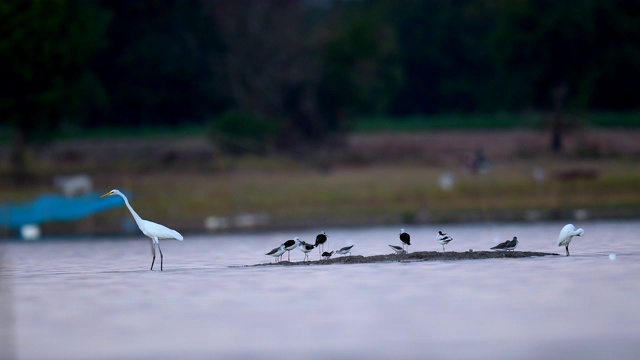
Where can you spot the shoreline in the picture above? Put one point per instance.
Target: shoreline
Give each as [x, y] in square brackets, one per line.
[418, 256]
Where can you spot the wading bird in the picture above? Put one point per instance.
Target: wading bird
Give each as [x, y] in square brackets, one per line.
[305, 248]
[511, 245]
[345, 250]
[443, 239]
[154, 231]
[566, 234]
[405, 238]
[327, 254]
[502, 246]
[277, 252]
[290, 245]
[320, 240]
[397, 249]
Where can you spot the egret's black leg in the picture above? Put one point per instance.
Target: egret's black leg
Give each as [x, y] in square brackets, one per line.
[567, 247]
[160, 256]
[153, 252]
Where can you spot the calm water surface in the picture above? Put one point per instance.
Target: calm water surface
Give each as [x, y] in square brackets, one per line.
[96, 298]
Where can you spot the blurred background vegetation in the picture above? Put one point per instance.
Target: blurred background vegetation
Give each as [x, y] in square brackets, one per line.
[293, 77]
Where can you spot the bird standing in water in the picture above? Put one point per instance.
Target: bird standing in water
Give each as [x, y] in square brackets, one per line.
[154, 231]
[566, 235]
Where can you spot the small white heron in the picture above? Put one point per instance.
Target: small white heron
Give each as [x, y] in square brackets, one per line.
[154, 231]
[566, 234]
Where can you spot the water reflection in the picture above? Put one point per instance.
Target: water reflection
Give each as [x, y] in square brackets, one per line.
[97, 299]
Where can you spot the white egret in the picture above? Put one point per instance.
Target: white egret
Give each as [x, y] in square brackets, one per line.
[566, 234]
[443, 239]
[405, 238]
[345, 250]
[154, 231]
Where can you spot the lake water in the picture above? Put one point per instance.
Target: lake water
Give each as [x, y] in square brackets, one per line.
[96, 298]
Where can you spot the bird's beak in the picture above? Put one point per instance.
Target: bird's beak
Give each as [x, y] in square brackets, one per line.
[107, 194]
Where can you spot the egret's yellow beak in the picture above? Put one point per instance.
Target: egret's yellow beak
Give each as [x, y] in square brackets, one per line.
[107, 194]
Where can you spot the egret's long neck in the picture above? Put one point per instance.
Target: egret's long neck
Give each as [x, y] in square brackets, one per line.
[136, 217]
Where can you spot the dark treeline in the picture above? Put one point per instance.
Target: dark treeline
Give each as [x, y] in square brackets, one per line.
[298, 70]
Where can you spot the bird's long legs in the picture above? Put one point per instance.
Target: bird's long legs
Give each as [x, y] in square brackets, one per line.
[153, 252]
[567, 248]
[160, 256]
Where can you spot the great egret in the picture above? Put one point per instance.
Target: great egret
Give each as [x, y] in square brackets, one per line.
[327, 254]
[277, 252]
[443, 239]
[405, 238]
[566, 234]
[345, 250]
[320, 240]
[397, 249]
[305, 248]
[154, 231]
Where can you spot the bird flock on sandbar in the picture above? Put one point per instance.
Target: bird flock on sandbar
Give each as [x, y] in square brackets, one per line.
[157, 232]
[566, 234]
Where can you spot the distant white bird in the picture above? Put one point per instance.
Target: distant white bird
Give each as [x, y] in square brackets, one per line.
[345, 250]
[154, 231]
[566, 234]
[320, 240]
[405, 238]
[443, 239]
[277, 252]
[305, 248]
[290, 245]
[399, 250]
[327, 254]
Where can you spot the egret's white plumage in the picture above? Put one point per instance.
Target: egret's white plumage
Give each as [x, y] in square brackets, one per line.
[153, 230]
[566, 234]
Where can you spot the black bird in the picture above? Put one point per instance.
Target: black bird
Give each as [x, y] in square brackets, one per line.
[345, 250]
[320, 240]
[502, 246]
[511, 245]
[326, 255]
[405, 238]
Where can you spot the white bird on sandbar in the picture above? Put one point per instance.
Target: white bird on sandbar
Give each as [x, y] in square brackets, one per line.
[305, 248]
[566, 234]
[153, 230]
[290, 245]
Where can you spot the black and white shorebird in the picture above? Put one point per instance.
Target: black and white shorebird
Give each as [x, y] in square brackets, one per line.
[405, 238]
[277, 252]
[511, 245]
[443, 239]
[345, 250]
[290, 245]
[320, 240]
[502, 246]
[399, 250]
[326, 255]
[566, 235]
[305, 248]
